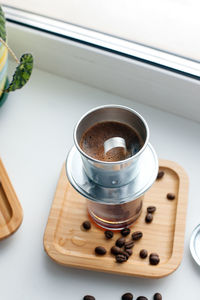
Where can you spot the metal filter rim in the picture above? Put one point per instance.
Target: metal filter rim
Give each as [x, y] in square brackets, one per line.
[195, 244]
[119, 195]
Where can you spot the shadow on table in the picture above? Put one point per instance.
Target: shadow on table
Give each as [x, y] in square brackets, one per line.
[195, 267]
[6, 243]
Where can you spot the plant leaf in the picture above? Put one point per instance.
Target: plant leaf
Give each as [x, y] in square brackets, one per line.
[22, 73]
[2, 25]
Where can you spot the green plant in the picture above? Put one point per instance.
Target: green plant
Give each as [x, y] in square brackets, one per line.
[25, 64]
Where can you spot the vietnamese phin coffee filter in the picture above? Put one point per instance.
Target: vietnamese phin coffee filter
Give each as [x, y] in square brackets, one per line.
[112, 164]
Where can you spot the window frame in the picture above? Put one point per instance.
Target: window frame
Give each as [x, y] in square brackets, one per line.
[127, 77]
[111, 44]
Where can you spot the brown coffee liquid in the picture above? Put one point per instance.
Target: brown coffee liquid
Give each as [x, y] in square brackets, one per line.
[92, 141]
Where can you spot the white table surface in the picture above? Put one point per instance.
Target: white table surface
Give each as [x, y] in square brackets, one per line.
[36, 126]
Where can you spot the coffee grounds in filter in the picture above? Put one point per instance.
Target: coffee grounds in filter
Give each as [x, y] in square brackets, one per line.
[93, 139]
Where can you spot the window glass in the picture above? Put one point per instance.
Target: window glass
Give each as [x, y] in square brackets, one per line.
[169, 25]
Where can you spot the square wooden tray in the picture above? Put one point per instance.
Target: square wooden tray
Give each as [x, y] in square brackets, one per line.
[68, 244]
[11, 213]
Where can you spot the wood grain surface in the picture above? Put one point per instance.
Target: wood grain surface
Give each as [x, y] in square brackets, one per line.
[68, 244]
[11, 213]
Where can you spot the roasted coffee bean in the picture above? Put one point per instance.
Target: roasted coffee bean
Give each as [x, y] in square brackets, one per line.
[149, 218]
[154, 259]
[143, 253]
[127, 296]
[88, 297]
[160, 174]
[86, 225]
[125, 253]
[115, 250]
[100, 250]
[151, 209]
[170, 196]
[108, 234]
[120, 242]
[129, 251]
[137, 235]
[129, 244]
[125, 231]
[157, 296]
[142, 298]
[120, 258]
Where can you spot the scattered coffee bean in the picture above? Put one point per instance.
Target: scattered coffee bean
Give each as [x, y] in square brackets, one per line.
[129, 244]
[125, 231]
[142, 298]
[120, 258]
[149, 218]
[154, 259]
[100, 250]
[170, 196]
[160, 174]
[129, 251]
[88, 297]
[86, 225]
[108, 234]
[143, 253]
[125, 253]
[120, 242]
[151, 209]
[157, 296]
[127, 296]
[137, 235]
[115, 250]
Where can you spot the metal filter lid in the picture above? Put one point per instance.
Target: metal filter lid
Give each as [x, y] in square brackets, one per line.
[148, 166]
[195, 244]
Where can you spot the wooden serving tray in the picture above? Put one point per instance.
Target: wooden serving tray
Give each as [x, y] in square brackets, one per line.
[68, 244]
[11, 213]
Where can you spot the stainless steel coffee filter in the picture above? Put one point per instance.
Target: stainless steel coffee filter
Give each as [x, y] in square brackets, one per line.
[115, 195]
[114, 190]
[119, 173]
